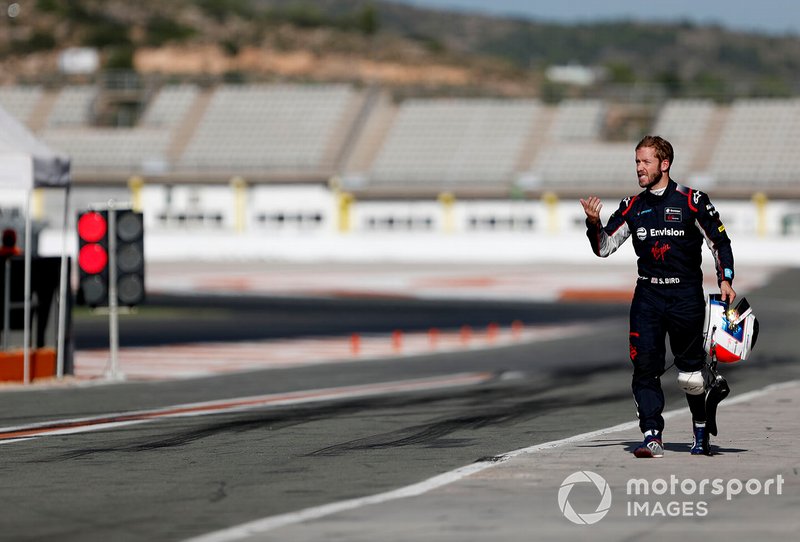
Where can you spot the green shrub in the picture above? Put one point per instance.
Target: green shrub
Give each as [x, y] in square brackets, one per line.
[108, 34]
[39, 41]
[161, 30]
[120, 58]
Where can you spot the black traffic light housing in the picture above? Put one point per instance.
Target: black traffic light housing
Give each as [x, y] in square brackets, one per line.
[129, 259]
[95, 257]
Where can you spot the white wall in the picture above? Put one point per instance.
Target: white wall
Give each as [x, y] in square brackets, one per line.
[301, 223]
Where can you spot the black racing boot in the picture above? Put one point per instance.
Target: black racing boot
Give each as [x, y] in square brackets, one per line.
[701, 444]
[717, 391]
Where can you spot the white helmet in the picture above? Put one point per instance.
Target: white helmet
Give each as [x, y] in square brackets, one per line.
[730, 334]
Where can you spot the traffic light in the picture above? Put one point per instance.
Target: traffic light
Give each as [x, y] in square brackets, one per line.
[95, 257]
[130, 257]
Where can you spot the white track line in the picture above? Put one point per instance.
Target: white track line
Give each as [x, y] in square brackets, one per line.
[270, 523]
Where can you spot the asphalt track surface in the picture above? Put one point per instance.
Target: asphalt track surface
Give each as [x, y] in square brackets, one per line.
[173, 478]
[168, 319]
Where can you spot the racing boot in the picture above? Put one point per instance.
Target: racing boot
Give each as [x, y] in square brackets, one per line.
[701, 445]
[652, 445]
[717, 391]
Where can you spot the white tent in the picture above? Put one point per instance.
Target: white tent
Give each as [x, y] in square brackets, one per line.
[27, 163]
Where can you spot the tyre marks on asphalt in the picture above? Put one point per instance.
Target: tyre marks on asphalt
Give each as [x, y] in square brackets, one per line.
[238, 404]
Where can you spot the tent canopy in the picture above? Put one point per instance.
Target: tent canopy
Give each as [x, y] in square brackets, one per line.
[26, 162]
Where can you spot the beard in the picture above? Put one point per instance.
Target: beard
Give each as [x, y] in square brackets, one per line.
[652, 180]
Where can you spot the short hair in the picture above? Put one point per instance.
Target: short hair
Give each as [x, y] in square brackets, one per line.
[662, 147]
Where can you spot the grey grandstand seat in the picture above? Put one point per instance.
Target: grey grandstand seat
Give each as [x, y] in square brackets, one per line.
[578, 120]
[109, 149]
[685, 124]
[73, 107]
[684, 121]
[20, 101]
[587, 165]
[268, 127]
[758, 145]
[454, 142]
[169, 106]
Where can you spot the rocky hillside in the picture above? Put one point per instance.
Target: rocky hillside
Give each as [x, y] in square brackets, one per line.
[391, 44]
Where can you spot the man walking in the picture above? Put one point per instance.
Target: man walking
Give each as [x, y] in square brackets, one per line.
[669, 223]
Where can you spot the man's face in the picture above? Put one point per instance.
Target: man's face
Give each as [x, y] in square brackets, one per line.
[649, 168]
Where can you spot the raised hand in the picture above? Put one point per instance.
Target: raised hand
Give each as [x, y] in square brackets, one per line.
[592, 206]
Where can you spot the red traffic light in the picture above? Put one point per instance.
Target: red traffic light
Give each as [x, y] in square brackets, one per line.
[95, 237]
[92, 258]
[92, 227]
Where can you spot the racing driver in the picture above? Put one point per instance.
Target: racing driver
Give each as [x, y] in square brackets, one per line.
[668, 223]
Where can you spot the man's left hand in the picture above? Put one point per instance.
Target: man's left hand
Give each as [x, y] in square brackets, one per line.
[727, 292]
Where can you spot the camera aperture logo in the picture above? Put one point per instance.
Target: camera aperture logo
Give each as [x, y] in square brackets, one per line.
[582, 477]
[662, 497]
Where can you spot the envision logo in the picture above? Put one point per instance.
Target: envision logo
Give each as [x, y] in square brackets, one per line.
[582, 477]
[666, 232]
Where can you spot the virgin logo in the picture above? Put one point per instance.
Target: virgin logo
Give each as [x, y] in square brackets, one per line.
[660, 250]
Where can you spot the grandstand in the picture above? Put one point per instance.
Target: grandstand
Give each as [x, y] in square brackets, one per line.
[255, 128]
[684, 121]
[590, 166]
[454, 143]
[126, 151]
[281, 133]
[686, 124]
[578, 120]
[73, 107]
[170, 106]
[20, 101]
[758, 148]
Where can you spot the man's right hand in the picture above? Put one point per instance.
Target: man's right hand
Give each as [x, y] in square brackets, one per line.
[592, 206]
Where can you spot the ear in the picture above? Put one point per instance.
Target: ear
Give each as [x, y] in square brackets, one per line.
[665, 165]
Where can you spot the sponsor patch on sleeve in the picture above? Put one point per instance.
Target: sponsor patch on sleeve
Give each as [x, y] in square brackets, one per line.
[728, 273]
[721, 228]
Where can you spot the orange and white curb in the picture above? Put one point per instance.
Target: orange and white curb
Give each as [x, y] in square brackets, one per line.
[209, 359]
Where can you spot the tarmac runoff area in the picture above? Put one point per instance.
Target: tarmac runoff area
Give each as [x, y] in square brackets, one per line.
[748, 489]
[518, 282]
[589, 485]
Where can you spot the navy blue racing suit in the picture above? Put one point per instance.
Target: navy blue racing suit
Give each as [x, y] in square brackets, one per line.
[668, 233]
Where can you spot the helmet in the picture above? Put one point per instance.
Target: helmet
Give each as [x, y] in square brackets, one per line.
[730, 333]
